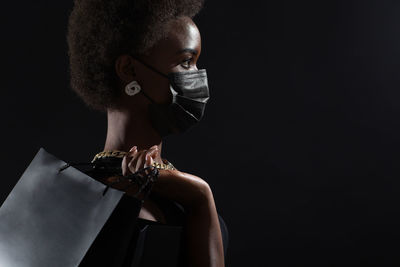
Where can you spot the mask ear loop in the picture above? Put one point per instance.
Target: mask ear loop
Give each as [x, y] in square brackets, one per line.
[153, 69]
[150, 67]
[148, 97]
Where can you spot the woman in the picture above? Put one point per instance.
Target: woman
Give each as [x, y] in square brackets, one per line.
[136, 60]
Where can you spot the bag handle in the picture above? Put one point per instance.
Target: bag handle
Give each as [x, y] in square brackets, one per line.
[144, 178]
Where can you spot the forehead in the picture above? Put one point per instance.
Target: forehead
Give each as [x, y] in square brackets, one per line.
[181, 33]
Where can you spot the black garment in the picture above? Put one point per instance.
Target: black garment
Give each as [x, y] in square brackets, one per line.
[126, 240]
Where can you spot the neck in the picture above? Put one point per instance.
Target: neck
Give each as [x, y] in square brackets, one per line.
[126, 130]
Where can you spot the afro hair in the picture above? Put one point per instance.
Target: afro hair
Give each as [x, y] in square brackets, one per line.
[101, 30]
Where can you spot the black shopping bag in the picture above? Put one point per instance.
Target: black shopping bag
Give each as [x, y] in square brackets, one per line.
[52, 217]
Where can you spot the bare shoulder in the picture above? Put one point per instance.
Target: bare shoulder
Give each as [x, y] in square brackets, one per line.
[188, 178]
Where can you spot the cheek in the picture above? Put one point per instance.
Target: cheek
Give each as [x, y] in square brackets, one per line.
[157, 89]
[154, 85]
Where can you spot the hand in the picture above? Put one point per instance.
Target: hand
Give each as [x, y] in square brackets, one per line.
[128, 184]
[136, 160]
[188, 190]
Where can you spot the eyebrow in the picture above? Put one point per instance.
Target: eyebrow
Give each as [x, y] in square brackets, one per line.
[190, 50]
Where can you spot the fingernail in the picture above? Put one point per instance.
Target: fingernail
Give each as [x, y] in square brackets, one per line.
[133, 148]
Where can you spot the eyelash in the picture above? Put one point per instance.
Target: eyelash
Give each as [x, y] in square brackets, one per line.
[189, 60]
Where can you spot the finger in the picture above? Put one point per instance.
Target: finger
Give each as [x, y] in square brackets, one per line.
[153, 152]
[126, 159]
[149, 159]
[151, 156]
[133, 149]
[124, 166]
[131, 153]
[140, 158]
[133, 161]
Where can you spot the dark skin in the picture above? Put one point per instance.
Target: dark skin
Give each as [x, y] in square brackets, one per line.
[130, 129]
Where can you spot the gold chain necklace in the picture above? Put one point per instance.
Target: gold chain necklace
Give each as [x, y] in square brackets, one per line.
[166, 165]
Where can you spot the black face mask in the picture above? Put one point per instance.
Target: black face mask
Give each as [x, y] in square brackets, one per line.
[190, 94]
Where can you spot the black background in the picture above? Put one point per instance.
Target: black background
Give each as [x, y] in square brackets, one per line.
[300, 141]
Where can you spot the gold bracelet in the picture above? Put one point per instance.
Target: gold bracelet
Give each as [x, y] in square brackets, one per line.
[109, 154]
[164, 166]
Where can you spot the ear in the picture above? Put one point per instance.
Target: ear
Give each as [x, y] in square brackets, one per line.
[124, 68]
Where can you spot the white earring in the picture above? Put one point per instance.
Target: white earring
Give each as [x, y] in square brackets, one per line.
[132, 88]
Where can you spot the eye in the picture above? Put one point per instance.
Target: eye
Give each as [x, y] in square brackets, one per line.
[186, 63]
